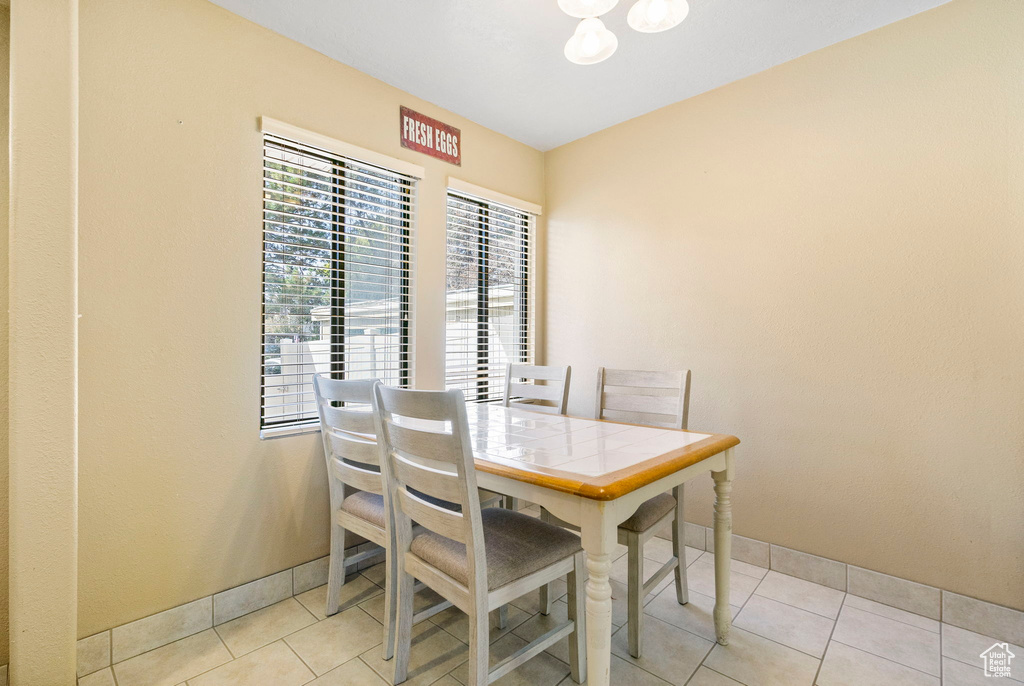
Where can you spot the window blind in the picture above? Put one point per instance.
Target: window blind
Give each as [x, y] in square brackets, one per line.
[488, 310]
[336, 275]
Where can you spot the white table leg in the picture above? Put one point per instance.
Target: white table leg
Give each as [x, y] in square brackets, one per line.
[599, 535]
[723, 548]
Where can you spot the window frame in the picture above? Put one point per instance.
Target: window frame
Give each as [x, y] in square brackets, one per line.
[486, 200]
[340, 156]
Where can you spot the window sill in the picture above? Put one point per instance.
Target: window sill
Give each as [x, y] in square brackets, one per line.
[290, 430]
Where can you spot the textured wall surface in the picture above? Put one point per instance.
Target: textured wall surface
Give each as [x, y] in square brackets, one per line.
[835, 247]
[179, 496]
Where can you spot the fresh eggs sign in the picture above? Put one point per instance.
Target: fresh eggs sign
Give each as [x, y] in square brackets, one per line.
[431, 137]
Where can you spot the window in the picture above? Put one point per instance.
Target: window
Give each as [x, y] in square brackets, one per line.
[335, 275]
[488, 312]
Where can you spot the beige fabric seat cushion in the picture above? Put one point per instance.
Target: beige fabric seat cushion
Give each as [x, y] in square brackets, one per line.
[368, 506]
[650, 513]
[517, 545]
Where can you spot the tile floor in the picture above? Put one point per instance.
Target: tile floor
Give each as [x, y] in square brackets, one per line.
[786, 631]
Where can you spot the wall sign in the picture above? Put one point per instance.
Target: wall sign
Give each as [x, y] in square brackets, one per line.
[430, 137]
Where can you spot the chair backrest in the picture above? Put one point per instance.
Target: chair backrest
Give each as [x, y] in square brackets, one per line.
[650, 398]
[529, 396]
[349, 434]
[425, 449]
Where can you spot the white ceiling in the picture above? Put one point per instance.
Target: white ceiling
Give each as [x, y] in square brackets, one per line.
[500, 63]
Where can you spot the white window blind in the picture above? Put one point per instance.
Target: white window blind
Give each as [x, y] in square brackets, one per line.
[489, 313]
[336, 281]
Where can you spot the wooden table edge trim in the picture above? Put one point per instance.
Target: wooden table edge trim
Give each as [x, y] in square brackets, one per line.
[618, 483]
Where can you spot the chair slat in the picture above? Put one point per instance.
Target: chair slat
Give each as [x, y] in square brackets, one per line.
[417, 406]
[659, 420]
[344, 390]
[535, 392]
[529, 371]
[357, 477]
[433, 482]
[437, 519]
[425, 444]
[533, 407]
[353, 448]
[641, 379]
[652, 404]
[357, 421]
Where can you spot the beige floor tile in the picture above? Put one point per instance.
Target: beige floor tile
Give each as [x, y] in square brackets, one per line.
[892, 613]
[659, 550]
[668, 652]
[958, 674]
[696, 616]
[93, 653]
[902, 643]
[542, 670]
[976, 615]
[424, 599]
[708, 677]
[538, 625]
[966, 647]
[447, 680]
[785, 624]
[740, 567]
[104, 677]
[337, 639]
[357, 589]
[140, 636]
[434, 653]
[263, 627]
[624, 674]
[701, 577]
[756, 661]
[530, 602]
[891, 590]
[846, 666]
[620, 568]
[819, 570]
[352, 673]
[255, 595]
[273, 664]
[454, 621]
[174, 662]
[805, 595]
[375, 574]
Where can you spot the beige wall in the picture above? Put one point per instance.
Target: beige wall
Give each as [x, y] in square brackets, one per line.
[835, 247]
[179, 497]
[5, 63]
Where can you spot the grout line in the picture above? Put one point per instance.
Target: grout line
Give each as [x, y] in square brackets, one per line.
[893, 619]
[835, 623]
[311, 670]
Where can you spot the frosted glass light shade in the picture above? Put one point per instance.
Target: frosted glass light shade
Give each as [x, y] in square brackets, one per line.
[583, 9]
[592, 43]
[652, 16]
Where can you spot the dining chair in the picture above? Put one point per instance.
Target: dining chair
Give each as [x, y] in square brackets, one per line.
[347, 428]
[479, 559]
[531, 396]
[659, 399]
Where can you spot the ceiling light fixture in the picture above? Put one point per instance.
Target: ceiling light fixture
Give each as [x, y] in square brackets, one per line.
[652, 16]
[584, 9]
[592, 43]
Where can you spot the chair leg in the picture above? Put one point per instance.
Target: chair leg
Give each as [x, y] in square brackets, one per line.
[403, 626]
[390, 604]
[336, 570]
[479, 634]
[545, 590]
[635, 593]
[503, 616]
[545, 599]
[578, 614]
[679, 549]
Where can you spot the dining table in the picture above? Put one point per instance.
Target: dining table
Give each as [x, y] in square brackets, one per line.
[594, 474]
